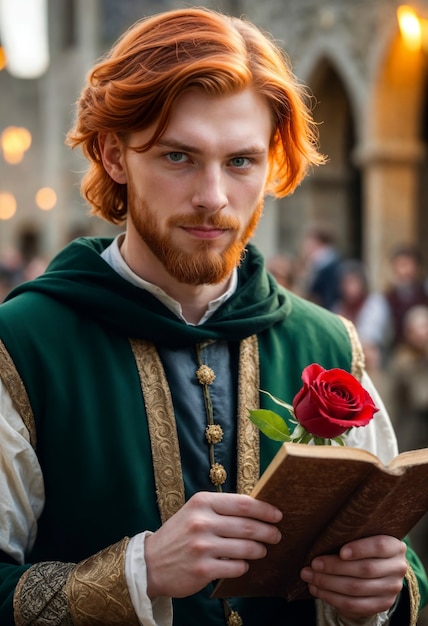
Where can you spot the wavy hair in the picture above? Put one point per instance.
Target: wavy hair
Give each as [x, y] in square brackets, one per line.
[138, 82]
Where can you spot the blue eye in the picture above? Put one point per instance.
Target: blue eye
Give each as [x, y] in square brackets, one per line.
[240, 162]
[176, 157]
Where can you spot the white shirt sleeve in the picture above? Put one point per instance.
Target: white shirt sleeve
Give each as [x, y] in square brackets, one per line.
[378, 436]
[150, 613]
[22, 493]
[327, 616]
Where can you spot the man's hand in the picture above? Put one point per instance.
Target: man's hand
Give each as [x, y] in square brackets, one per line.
[363, 580]
[212, 536]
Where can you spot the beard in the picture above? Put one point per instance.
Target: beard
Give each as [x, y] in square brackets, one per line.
[203, 264]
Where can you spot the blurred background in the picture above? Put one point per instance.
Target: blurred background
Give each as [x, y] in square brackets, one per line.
[365, 62]
[352, 237]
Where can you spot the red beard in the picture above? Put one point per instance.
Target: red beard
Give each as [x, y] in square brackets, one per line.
[202, 265]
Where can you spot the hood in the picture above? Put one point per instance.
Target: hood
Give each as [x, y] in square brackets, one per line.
[79, 278]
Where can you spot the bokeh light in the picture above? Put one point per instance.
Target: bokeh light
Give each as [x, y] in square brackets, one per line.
[46, 198]
[410, 27]
[3, 59]
[15, 141]
[7, 205]
[24, 34]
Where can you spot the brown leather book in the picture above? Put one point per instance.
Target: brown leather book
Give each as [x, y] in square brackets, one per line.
[329, 495]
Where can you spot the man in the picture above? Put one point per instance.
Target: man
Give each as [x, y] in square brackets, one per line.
[322, 263]
[407, 288]
[128, 368]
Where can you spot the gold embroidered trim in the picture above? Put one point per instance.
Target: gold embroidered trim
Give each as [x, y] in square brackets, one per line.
[40, 597]
[162, 429]
[248, 433]
[15, 386]
[97, 591]
[414, 595]
[358, 359]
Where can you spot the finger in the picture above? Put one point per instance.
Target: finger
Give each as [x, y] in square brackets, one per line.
[380, 546]
[354, 607]
[238, 549]
[243, 528]
[388, 586]
[363, 568]
[231, 517]
[244, 506]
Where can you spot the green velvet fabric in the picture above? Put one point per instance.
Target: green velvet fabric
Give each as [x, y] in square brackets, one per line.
[68, 334]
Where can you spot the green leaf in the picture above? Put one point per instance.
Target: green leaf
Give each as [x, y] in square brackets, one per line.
[320, 441]
[339, 440]
[271, 424]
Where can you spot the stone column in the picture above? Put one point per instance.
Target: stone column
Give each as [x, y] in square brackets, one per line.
[390, 190]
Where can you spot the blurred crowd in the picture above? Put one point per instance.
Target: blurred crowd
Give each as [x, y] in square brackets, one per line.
[17, 267]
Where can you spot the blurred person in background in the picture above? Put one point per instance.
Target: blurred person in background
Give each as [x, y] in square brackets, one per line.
[408, 380]
[7, 282]
[16, 269]
[11, 269]
[367, 309]
[319, 281]
[283, 269]
[407, 286]
[408, 398]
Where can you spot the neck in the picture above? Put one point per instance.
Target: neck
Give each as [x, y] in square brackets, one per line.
[195, 305]
[193, 299]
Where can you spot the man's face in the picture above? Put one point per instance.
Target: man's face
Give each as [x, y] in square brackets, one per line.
[195, 198]
[405, 269]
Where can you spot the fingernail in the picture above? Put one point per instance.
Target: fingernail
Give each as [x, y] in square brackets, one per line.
[318, 565]
[346, 552]
[307, 574]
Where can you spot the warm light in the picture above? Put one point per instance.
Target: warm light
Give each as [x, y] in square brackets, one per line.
[13, 158]
[424, 29]
[14, 142]
[410, 27]
[46, 198]
[2, 58]
[24, 33]
[7, 206]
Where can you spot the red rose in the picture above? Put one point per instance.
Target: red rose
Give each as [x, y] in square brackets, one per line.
[331, 401]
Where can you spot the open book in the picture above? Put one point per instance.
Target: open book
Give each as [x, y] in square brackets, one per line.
[329, 495]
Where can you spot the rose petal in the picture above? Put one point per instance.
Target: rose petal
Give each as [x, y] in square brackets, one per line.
[331, 401]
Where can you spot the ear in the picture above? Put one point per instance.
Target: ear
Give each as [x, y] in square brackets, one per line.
[112, 151]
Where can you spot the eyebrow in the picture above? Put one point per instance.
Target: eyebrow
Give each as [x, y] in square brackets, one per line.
[183, 147]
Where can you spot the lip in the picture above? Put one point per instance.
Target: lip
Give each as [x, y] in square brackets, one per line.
[201, 232]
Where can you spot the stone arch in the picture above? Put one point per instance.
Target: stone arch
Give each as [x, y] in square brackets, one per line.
[333, 191]
[331, 52]
[391, 153]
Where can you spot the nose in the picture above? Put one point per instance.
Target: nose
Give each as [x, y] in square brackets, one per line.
[210, 190]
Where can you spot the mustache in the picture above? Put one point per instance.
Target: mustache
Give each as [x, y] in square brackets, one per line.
[222, 222]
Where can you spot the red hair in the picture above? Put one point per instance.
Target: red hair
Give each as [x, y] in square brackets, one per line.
[155, 61]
